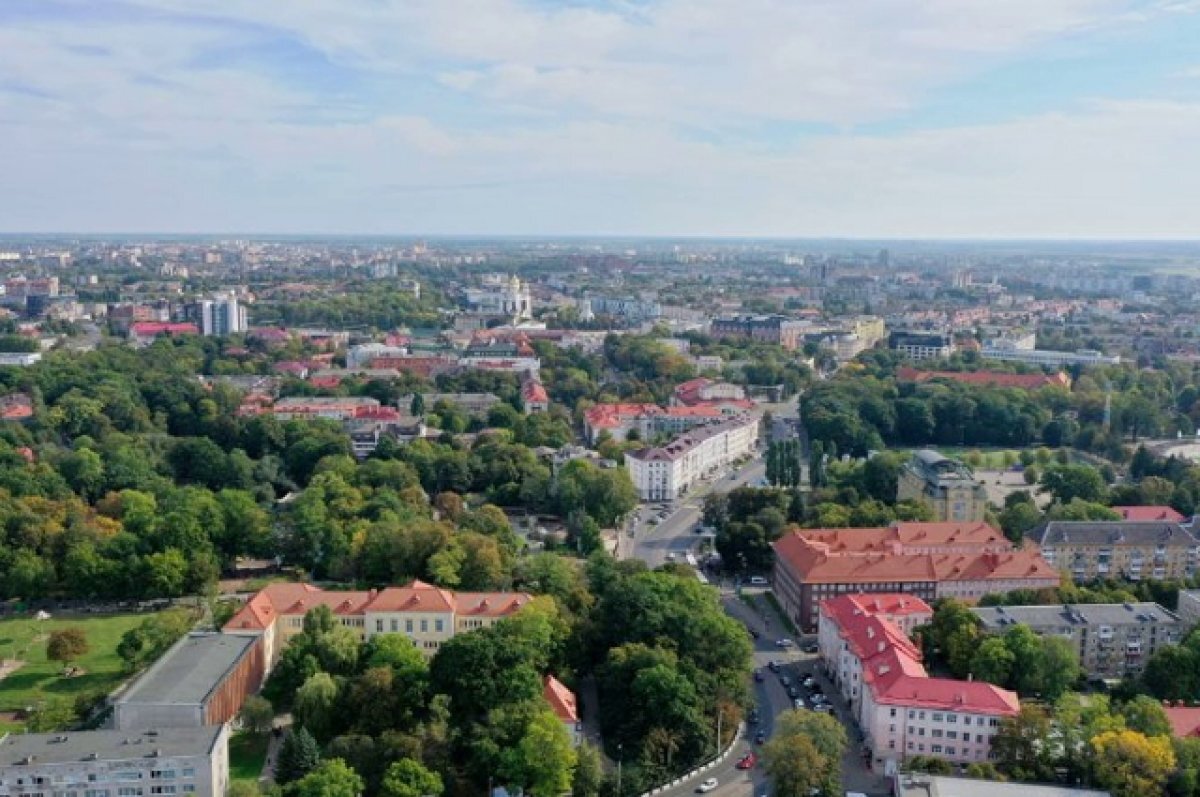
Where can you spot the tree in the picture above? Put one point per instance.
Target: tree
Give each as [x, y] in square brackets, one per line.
[257, 715]
[409, 778]
[993, 661]
[316, 705]
[805, 753]
[1145, 715]
[1057, 667]
[1130, 764]
[416, 407]
[298, 755]
[1066, 482]
[66, 645]
[1173, 673]
[332, 778]
[589, 772]
[1023, 745]
[546, 757]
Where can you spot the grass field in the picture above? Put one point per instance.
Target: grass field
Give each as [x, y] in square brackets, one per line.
[247, 754]
[40, 679]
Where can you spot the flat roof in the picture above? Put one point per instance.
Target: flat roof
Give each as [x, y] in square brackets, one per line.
[1054, 615]
[190, 670]
[106, 745]
[946, 786]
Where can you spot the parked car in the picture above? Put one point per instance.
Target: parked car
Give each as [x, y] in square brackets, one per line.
[747, 761]
[811, 647]
[773, 666]
[793, 692]
[707, 786]
[824, 708]
[798, 703]
[758, 676]
[783, 679]
[758, 581]
[784, 643]
[760, 737]
[809, 681]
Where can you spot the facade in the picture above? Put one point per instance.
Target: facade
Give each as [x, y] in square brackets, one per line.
[426, 614]
[646, 419]
[562, 702]
[926, 560]
[921, 345]
[1112, 640]
[1189, 607]
[663, 474]
[1086, 550]
[202, 680]
[1054, 359]
[143, 333]
[703, 391]
[221, 316]
[785, 332]
[627, 309]
[902, 711]
[116, 763]
[946, 486]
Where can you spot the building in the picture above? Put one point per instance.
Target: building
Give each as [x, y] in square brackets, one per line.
[1149, 513]
[334, 408]
[1086, 550]
[221, 316]
[901, 710]
[667, 472]
[16, 407]
[143, 333]
[922, 785]
[946, 486]
[921, 345]
[501, 296]
[534, 397]
[202, 680]
[109, 763]
[1112, 640]
[367, 353]
[782, 331]
[1185, 720]
[703, 391]
[928, 560]
[562, 702]
[428, 615]
[20, 359]
[987, 378]
[632, 310]
[1188, 607]
[1054, 359]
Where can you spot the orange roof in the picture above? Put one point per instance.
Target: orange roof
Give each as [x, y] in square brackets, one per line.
[609, 415]
[533, 391]
[1149, 513]
[978, 697]
[416, 596]
[987, 378]
[489, 604]
[561, 699]
[1185, 721]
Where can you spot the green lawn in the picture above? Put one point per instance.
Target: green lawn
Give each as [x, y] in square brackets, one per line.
[247, 754]
[40, 679]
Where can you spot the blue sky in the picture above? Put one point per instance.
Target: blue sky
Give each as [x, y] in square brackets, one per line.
[868, 118]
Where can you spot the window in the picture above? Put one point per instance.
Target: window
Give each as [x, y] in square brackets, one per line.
[439, 626]
[395, 625]
[951, 735]
[937, 748]
[408, 626]
[424, 626]
[952, 719]
[937, 733]
[189, 772]
[892, 745]
[379, 626]
[937, 717]
[912, 715]
[979, 738]
[893, 713]
[950, 751]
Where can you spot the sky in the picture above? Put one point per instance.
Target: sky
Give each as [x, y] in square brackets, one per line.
[759, 118]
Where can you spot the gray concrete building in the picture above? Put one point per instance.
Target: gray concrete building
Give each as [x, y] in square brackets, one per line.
[1112, 640]
[114, 763]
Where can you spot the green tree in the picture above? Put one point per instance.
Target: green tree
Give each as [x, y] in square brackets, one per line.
[316, 705]
[332, 778]
[67, 644]
[1067, 482]
[409, 778]
[993, 661]
[256, 715]
[1057, 667]
[1023, 745]
[588, 779]
[299, 754]
[805, 753]
[545, 757]
[1145, 715]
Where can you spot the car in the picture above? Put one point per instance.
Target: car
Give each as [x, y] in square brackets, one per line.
[760, 737]
[809, 680]
[784, 643]
[783, 679]
[798, 703]
[754, 633]
[752, 718]
[707, 786]
[823, 708]
[793, 692]
[671, 557]
[758, 581]
[811, 647]
[747, 761]
[773, 666]
[652, 521]
[758, 676]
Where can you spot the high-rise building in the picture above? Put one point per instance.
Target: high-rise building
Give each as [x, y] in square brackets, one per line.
[221, 316]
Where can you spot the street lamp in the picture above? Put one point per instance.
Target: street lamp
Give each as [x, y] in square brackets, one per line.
[620, 754]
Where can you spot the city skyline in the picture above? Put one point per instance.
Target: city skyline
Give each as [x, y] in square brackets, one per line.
[1063, 119]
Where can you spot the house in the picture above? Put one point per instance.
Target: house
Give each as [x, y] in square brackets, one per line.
[16, 407]
[1086, 550]
[1111, 640]
[534, 397]
[160, 761]
[428, 615]
[902, 710]
[946, 486]
[202, 680]
[1149, 513]
[562, 702]
[927, 560]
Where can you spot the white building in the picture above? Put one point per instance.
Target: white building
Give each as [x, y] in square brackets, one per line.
[222, 316]
[501, 296]
[111, 763]
[1055, 359]
[665, 473]
[20, 358]
[364, 354]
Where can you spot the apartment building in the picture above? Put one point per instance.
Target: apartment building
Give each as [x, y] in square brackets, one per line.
[619, 420]
[202, 680]
[1047, 357]
[1188, 608]
[333, 408]
[116, 763]
[946, 486]
[782, 331]
[1112, 640]
[1134, 550]
[902, 711]
[921, 345]
[667, 472]
[426, 614]
[925, 560]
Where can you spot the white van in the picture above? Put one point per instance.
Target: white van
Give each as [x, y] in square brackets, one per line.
[758, 581]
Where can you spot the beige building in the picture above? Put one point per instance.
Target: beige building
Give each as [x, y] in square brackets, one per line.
[1086, 550]
[1112, 640]
[426, 614]
[946, 486]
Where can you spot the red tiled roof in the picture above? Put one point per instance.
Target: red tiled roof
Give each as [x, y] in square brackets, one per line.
[325, 381]
[417, 596]
[986, 378]
[950, 695]
[532, 391]
[1185, 721]
[1149, 513]
[561, 699]
[151, 328]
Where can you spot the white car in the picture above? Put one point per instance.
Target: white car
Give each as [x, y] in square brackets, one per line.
[784, 643]
[707, 786]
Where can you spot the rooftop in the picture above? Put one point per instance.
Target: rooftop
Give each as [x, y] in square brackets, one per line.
[1110, 532]
[946, 786]
[1074, 614]
[1149, 513]
[106, 745]
[561, 699]
[190, 670]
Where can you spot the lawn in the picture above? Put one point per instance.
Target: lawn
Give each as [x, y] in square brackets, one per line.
[40, 679]
[247, 754]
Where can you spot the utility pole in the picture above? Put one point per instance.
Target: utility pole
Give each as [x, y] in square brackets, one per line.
[620, 755]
